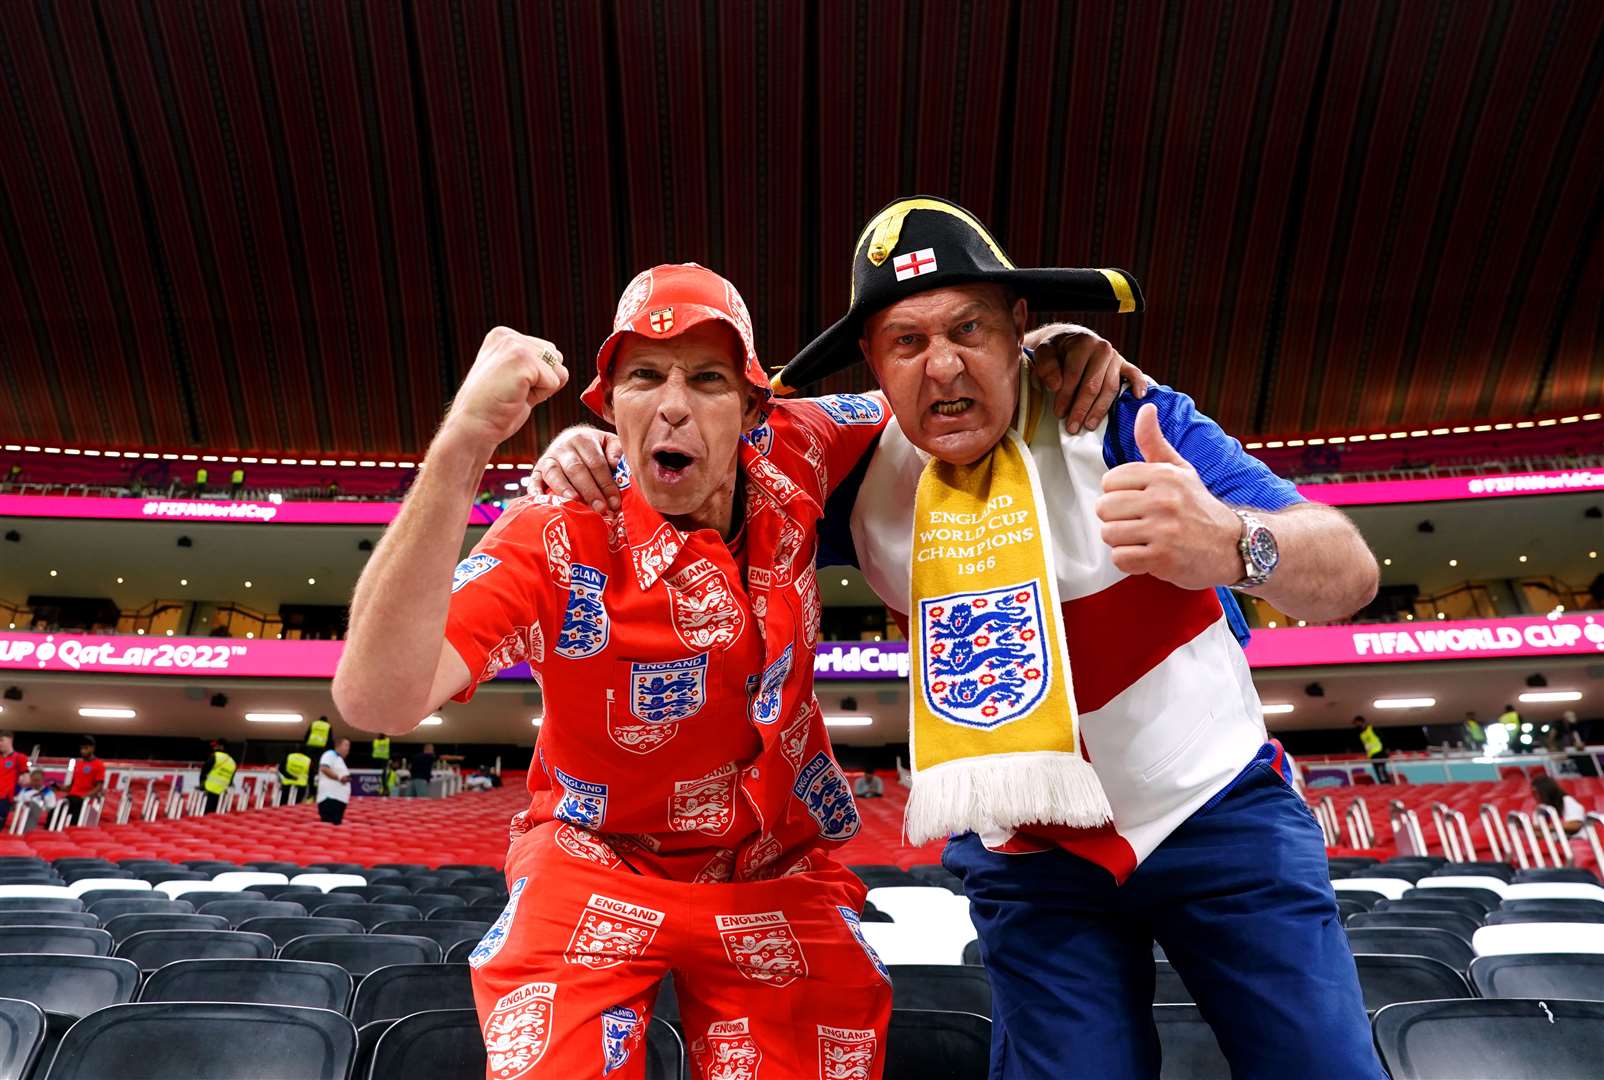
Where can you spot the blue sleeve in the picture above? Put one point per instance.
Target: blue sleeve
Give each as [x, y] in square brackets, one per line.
[1230, 473]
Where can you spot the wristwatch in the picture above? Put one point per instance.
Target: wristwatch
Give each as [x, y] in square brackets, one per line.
[1258, 550]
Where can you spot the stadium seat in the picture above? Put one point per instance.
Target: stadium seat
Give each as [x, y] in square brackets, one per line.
[107, 910]
[1500, 870]
[1458, 925]
[87, 884]
[1486, 898]
[1466, 881]
[971, 953]
[217, 1040]
[337, 868]
[1553, 890]
[430, 1045]
[942, 987]
[419, 882]
[470, 894]
[402, 867]
[1577, 976]
[209, 866]
[397, 990]
[1168, 987]
[870, 913]
[249, 879]
[328, 881]
[370, 893]
[1499, 1038]
[314, 904]
[284, 930]
[1429, 900]
[40, 903]
[264, 982]
[72, 940]
[369, 915]
[123, 927]
[926, 1044]
[275, 866]
[33, 891]
[289, 892]
[429, 903]
[939, 876]
[362, 953]
[1409, 872]
[237, 911]
[47, 918]
[95, 873]
[1351, 862]
[56, 1025]
[446, 931]
[1391, 888]
[94, 896]
[1562, 910]
[367, 1037]
[167, 877]
[472, 869]
[74, 985]
[1386, 980]
[1451, 949]
[1504, 916]
[1561, 937]
[899, 943]
[489, 910]
[151, 949]
[459, 953]
[881, 877]
[1187, 1045]
[1346, 907]
[193, 891]
[22, 1033]
[1556, 873]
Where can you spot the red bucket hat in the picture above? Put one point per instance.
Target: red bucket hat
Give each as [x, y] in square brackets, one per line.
[666, 301]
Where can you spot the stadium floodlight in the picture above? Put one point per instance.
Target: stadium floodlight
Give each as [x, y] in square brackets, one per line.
[98, 713]
[535, 720]
[1534, 697]
[847, 720]
[274, 717]
[1404, 702]
[1278, 708]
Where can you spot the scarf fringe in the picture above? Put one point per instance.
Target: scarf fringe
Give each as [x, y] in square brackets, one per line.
[1002, 792]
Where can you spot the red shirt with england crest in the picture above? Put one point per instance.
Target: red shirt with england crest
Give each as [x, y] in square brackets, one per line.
[680, 735]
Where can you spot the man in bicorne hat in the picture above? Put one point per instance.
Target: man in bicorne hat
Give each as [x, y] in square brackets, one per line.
[1084, 724]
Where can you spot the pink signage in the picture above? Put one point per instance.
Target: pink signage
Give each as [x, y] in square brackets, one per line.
[1375, 643]
[216, 510]
[1439, 489]
[170, 656]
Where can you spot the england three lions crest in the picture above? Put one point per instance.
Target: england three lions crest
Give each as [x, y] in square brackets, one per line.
[611, 932]
[855, 924]
[848, 409]
[584, 845]
[728, 1052]
[583, 803]
[706, 804]
[846, 1053]
[823, 790]
[585, 625]
[496, 936]
[621, 1034]
[706, 611]
[518, 1030]
[669, 691]
[770, 692]
[763, 947]
[986, 661]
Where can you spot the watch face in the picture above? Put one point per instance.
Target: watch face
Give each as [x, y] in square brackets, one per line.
[1262, 549]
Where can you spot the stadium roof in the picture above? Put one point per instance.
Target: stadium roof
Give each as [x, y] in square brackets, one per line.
[286, 226]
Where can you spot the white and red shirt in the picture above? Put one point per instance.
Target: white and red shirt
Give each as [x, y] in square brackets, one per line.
[1168, 711]
[680, 733]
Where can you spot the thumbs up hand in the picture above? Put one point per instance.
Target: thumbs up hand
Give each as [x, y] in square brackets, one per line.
[1160, 519]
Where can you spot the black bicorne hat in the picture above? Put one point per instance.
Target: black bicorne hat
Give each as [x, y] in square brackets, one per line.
[923, 243]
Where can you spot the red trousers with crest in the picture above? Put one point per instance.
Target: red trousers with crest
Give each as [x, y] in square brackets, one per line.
[773, 977]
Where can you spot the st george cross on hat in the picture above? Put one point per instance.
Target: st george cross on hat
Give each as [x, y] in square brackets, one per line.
[923, 243]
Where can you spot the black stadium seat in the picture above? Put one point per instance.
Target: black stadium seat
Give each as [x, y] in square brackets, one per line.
[374, 893]
[445, 931]
[1556, 873]
[1557, 906]
[337, 867]
[94, 896]
[369, 915]
[1500, 870]
[876, 877]
[362, 953]
[1346, 907]
[470, 894]
[83, 874]
[367, 1037]
[270, 866]
[924, 1044]
[1504, 1039]
[430, 902]
[1187, 1045]
[1457, 925]
[429, 1046]
[1168, 988]
[56, 1025]
[315, 904]
[1486, 897]
[1578, 976]
[1424, 900]
[73, 940]
[216, 1040]
[402, 867]
[144, 905]
[1365, 897]
[459, 953]
[1540, 914]
[289, 892]
[942, 987]
[124, 927]
[263, 982]
[40, 903]
[237, 911]
[75, 985]
[1409, 941]
[285, 930]
[1387, 980]
[938, 875]
[972, 952]
[48, 918]
[397, 990]
[488, 909]
[870, 913]
[158, 877]
[22, 1033]
[151, 949]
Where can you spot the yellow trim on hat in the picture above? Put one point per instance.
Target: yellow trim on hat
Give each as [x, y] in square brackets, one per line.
[886, 228]
[1122, 290]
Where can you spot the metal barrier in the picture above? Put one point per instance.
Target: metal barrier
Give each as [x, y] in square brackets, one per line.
[1406, 829]
[1360, 832]
[1523, 837]
[1553, 830]
[1458, 824]
[1445, 837]
[1497, 837]
[1325, 812]
[1592, 825]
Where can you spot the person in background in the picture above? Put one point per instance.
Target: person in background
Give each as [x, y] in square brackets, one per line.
[236, 483]
[869, 786]
[390, 783]
[88, 779]
[1547, 792]
[1511, 721]
[200, 480]
[293, 773]
[334, 782]
[13, 774]
[217, 775]
[1570, 732]
[1371, 744]
[422, 767]
[1475, 737]
[36, 799]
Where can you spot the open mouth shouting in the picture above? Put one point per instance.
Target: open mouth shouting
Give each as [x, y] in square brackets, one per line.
[953, 406]
[670, 464]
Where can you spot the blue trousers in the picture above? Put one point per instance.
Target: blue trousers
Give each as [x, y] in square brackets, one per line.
[1240, 899]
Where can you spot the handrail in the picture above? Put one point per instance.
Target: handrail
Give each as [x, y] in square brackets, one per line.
[1325, 812]
[1553, 830]
[1523, 835]
[1442, 816]
[1463, 828]
[1591, 826]
[1497, 836]
[1408, 837]
[1361, 834]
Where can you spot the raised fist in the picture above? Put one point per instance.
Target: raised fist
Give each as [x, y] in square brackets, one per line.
[511, 375]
